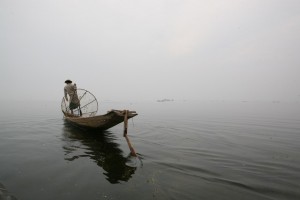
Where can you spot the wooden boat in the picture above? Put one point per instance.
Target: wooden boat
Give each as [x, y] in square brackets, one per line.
[100, 122]
[84, 115]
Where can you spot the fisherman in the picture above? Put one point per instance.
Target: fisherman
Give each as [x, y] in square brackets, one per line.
[71, 90]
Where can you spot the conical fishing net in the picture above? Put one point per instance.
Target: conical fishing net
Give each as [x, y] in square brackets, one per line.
[83, 104]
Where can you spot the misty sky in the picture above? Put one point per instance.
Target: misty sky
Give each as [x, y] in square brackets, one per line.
[151, 49]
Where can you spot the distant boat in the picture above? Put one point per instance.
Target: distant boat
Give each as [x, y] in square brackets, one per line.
[165, 100]
[85, 115]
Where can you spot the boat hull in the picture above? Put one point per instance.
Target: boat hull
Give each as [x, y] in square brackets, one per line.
[100, 122]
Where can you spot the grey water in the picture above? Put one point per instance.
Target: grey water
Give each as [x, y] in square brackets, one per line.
[186, 150]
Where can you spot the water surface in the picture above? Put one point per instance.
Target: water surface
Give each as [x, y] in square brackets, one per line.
[187, 150]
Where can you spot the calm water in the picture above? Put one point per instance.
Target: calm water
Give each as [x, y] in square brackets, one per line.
[187, 150]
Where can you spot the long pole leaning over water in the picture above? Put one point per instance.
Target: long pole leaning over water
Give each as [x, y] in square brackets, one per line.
[132, 151]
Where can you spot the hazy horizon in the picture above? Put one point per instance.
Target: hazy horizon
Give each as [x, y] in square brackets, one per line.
[150, 50]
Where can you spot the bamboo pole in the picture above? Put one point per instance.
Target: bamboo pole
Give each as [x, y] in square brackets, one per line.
[125, 122]
[132, 151]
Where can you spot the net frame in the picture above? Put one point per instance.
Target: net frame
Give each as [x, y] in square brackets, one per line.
[88, 105]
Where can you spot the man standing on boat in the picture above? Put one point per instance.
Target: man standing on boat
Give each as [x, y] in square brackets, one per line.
[71, 90]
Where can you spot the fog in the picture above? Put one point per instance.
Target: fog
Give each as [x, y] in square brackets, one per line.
[131, 50]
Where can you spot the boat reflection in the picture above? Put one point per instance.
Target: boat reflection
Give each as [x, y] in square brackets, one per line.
[100, 147]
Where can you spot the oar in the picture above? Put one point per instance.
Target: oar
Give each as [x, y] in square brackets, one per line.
[132, 151]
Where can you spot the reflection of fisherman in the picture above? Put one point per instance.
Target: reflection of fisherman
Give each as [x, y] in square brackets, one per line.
[71, 89]
[103, 151]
